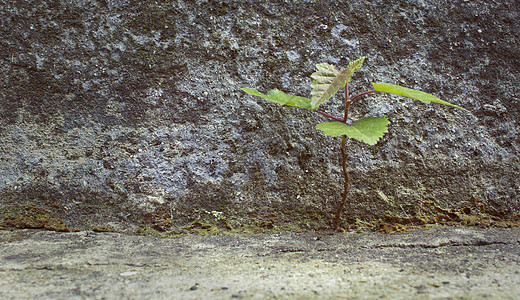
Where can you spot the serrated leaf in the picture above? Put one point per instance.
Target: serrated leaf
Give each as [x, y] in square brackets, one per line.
[415, 94]
[279, 97]
[328, 80]
[368, 130]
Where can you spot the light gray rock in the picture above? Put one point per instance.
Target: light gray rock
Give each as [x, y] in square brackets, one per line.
[438, 263]
[114, 109]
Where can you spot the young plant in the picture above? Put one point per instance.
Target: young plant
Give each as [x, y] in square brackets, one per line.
[326, 82]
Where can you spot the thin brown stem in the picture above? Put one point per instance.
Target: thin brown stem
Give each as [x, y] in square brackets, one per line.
[328, 116]
[346, 182]
[337, 217]
[362, 94]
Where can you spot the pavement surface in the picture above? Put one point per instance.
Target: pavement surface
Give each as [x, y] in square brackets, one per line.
[435, 263]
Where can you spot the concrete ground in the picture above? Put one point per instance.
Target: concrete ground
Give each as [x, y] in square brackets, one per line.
[435, 263]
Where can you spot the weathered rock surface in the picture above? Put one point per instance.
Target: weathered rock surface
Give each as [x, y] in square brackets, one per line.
[112, 110]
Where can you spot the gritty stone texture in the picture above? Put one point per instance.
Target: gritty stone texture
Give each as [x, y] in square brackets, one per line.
[439, 263]
[113, 109]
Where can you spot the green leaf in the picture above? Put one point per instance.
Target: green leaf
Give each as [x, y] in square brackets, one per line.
[282, 98]
[328, 80]
[368, 130]
[415, 94]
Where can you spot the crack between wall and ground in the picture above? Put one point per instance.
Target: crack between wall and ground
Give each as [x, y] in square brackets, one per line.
[478, 243]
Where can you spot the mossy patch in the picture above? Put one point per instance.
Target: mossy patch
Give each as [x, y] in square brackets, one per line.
[30, 217]
[429, 213]
[203, 222]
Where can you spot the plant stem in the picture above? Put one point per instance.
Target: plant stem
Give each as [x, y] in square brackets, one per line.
[337, 217]
[362, 94]
[346, 182]
[347, 105]
[328, 116]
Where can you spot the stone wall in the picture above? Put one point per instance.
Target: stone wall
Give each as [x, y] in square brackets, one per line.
[113, 110]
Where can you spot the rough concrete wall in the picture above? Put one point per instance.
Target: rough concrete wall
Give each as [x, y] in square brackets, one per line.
[113, 108]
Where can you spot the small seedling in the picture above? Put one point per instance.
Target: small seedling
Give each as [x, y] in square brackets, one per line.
[326, 82]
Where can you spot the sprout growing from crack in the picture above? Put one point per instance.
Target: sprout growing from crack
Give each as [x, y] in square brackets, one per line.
[327, 81]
